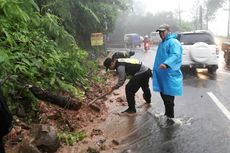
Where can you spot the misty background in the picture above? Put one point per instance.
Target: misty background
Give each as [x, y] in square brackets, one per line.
[145, 16]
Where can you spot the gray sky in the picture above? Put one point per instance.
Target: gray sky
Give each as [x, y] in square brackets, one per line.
[217, 26]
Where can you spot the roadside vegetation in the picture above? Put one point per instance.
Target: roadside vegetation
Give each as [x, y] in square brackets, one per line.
[43, 44]
[46, 44]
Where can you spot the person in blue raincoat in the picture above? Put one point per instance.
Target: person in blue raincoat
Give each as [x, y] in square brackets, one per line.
[167, 76]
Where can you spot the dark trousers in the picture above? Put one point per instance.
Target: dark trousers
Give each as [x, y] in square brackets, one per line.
[141, 80]
[169, 105]
[2, 150]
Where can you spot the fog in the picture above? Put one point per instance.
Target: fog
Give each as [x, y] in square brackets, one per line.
[182, 15]
[187, 9]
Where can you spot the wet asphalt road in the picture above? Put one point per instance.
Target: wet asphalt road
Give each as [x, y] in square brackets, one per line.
[201, 114]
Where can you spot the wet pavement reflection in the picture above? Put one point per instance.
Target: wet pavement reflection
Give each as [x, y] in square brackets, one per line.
[145, 131]
[203, 130]
[198, 77]
[148, 132]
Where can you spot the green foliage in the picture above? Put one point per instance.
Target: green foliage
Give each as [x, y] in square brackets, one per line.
[83, 17]
[69, 138]
[36, 50]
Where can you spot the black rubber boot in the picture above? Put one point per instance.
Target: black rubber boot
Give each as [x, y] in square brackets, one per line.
[130, 111]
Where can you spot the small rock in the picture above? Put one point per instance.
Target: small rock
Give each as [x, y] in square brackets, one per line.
[85, 142]
[103, 147]
[96, 132]
[119, 99]
[116, 93]
[25, 126]
[53, 115]
[18, 129]
[21, 111]
[115, 142]
[46, 139]
[28, 148]
[102, 140]
[103, 119]
[97, 94]
[92, 150]
[95, 108]
[17, 120]
[128, 151]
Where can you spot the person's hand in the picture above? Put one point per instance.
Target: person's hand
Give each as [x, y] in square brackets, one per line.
[163, 66]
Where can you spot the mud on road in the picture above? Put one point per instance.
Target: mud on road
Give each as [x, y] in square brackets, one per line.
[104, 132]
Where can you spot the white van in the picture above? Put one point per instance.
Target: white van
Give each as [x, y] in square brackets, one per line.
[155, 38]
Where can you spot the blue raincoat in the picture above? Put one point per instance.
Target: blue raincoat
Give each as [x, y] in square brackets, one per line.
[168, 81]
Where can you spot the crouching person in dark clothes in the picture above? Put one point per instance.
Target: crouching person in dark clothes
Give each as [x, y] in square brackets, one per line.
[140, 75]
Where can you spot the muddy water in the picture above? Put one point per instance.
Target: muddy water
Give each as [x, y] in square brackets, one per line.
[144, 131]
[148, 132]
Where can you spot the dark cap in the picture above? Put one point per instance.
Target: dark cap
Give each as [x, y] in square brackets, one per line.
[163, 27]
[107, 62]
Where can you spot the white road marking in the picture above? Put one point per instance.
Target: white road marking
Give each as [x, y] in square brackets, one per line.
[219, 104]
[227, 73]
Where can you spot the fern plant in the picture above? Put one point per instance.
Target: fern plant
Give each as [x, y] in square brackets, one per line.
[36, 50]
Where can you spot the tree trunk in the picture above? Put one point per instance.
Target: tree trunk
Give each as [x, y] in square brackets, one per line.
[63, 101]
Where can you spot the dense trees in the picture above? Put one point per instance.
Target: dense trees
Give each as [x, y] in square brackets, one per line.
[205, 11]
[42, 42]
[39, 46]
[211, 7]
[145, 24]
[82, 17]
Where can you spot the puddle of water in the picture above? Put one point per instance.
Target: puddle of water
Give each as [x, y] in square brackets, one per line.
[164, 122]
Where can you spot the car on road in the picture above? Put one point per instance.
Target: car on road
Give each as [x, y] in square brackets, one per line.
[155, 38]
[199, 50]
[132, 40]
[225, 47]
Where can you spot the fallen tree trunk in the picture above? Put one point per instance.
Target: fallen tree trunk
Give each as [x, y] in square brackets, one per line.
[62, 101]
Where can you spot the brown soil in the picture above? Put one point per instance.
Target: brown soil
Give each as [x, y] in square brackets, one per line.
[95, 123]
[92, 121]
[103, 136]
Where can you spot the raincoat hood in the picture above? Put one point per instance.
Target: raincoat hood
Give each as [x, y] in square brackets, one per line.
[170, 35]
